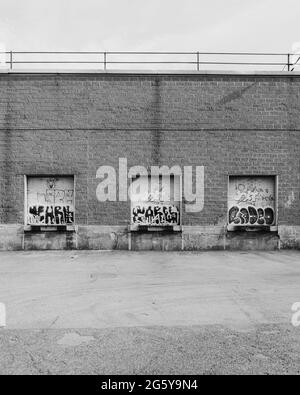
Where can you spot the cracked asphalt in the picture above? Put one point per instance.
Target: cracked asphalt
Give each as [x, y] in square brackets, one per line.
[149, 313]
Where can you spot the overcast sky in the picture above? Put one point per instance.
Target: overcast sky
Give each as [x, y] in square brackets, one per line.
[123, 25]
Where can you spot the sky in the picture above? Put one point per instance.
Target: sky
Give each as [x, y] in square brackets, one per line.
[150, 25]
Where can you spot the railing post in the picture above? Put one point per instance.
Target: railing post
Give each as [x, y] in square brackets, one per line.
[289, 62]
[198, 61]
[104, 64]
[11, 59]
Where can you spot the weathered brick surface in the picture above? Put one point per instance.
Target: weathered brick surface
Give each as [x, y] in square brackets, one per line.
[179, 102]
[74, 123]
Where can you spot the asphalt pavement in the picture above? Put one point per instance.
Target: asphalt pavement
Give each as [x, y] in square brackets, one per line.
[70, 312]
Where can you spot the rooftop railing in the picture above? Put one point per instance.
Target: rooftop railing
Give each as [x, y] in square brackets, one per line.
[16, 60]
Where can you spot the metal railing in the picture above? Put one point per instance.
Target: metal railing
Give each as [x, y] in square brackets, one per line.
[187, 60]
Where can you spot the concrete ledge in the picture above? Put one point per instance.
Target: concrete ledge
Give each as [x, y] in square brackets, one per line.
[50, 241]
[192, 238]
[154, 72]
[289, 237]
[93, 237]
[255, 241]
[149, 228]
[204, 238]
[11, 237]
[156, 241]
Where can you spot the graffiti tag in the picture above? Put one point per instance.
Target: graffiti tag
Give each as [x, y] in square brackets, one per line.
[156, 215]
[50, 215]
[50, 201]
[251, 216]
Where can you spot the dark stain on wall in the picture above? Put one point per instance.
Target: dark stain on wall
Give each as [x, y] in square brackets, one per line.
[157, 120]
[236, 95]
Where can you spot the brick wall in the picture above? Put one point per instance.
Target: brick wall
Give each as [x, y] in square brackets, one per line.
[74, 123]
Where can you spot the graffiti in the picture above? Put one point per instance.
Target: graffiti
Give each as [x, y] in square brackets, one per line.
[51, 183]
[53, 196]
[155, 201]
[50, 201]
[250, 194]
[252, 201]
[251, 216]
[156, 215]
[50, 215]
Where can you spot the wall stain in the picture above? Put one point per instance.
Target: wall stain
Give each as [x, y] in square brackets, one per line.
[234, 95]
[157, 122]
